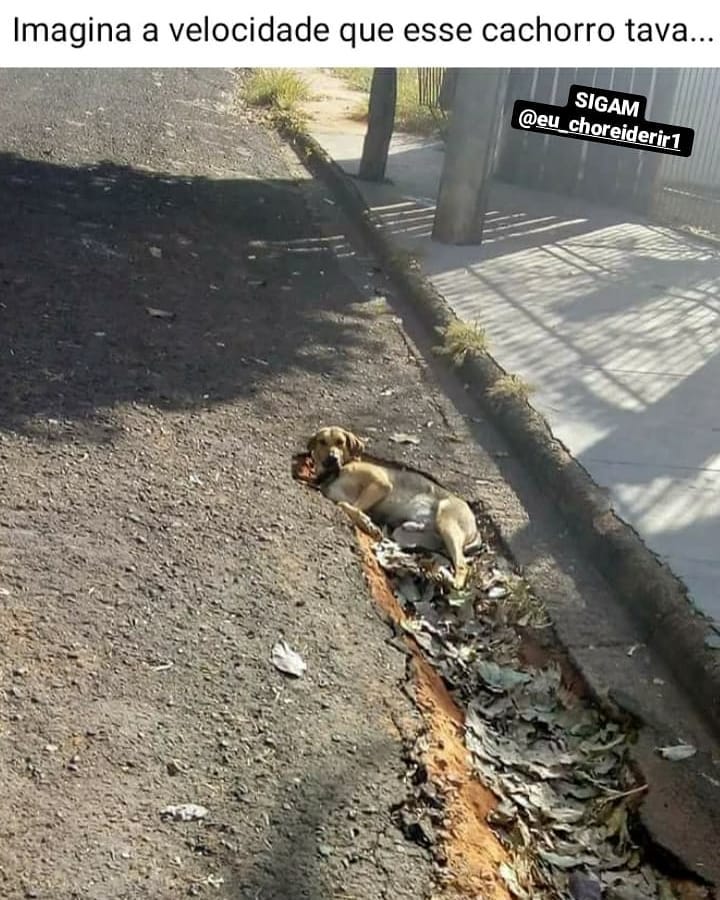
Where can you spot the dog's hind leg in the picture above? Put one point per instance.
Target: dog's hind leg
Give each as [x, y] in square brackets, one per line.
[454, 538]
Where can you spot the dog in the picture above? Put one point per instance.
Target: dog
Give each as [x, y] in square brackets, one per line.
[419, 511]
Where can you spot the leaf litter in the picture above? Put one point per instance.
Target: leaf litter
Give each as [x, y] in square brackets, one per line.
[402, 438]
[678, 752]
[560, 770]
[287, 660]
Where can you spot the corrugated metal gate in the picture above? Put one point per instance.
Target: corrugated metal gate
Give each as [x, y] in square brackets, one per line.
[682, 191]
[616, 176]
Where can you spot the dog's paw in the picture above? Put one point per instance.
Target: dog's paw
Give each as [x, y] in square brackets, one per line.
[371, 529]
[362, 521]
[461, 578]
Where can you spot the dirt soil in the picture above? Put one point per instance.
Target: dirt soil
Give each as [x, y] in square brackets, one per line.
[471, 852]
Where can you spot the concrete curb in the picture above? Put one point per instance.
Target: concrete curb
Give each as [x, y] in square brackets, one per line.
[656, 598]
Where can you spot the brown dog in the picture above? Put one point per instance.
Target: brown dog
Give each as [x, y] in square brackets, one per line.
[417, 509]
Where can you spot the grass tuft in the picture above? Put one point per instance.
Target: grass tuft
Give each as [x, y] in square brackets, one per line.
[510, 387]
[410, 116]
[276, 89]
[461, 339]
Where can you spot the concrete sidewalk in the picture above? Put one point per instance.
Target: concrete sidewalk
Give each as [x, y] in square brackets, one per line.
[614, 322]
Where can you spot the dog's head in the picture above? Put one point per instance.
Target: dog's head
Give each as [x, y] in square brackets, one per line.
[332, 447]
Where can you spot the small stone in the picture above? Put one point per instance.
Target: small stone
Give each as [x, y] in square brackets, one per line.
[184, 812]
[173, 768]
[325, 850]
[712, 641]
[417, 830]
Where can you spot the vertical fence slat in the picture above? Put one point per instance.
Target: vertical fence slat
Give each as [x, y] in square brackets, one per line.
[660, 109]
[601, 160]
[562, 162]
[513, 143]
[538, 145]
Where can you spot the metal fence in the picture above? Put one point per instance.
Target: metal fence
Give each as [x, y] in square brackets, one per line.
[599, 173]
[435, 87]
[687, 190]
[680, 191]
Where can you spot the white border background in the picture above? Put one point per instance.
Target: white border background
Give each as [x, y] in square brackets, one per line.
[702, 20]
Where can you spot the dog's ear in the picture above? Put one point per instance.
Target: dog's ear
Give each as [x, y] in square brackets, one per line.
[354, 445]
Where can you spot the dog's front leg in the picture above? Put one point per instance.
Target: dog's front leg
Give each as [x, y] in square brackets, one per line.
[372, 493]
[362, 520]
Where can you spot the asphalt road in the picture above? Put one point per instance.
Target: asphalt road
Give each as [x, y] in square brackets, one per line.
[179, 310]
[173, 325]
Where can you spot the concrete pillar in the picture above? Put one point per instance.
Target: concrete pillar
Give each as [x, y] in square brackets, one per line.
[474, 125]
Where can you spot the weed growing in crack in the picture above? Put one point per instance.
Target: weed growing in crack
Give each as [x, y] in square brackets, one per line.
[462, 339]
[510, 387]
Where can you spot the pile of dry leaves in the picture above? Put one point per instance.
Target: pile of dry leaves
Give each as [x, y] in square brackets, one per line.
[559, 768]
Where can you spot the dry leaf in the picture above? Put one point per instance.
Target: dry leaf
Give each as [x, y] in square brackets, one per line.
[286, 660]
[159, 313]
[678, 752]
[559, 861]
[501, 678]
